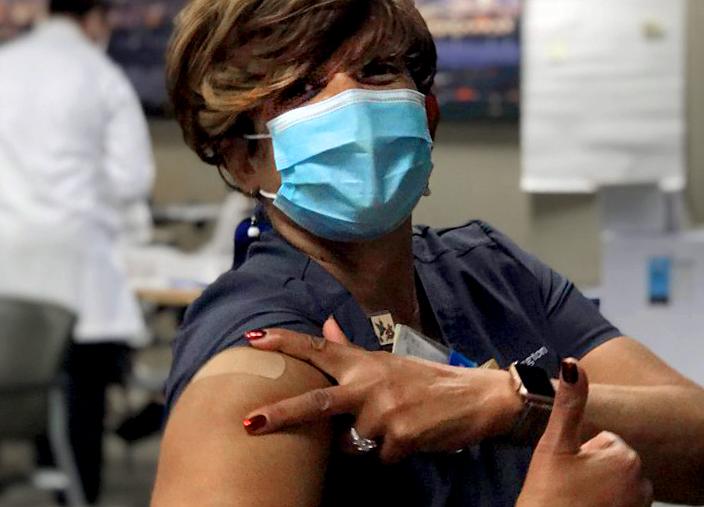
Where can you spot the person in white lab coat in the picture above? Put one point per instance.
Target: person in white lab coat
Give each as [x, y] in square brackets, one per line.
[74, 153]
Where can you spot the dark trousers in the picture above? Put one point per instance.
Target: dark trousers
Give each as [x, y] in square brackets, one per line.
[89, 368]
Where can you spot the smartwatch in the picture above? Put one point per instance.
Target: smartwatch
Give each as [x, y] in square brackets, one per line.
[537, 393]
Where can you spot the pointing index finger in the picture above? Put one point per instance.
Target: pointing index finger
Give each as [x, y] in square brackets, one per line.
[330, 357]
[312, 406]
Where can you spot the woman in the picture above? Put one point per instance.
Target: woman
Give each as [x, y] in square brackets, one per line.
[316, 107]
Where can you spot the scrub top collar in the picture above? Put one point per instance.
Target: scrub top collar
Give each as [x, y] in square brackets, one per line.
[349, 314]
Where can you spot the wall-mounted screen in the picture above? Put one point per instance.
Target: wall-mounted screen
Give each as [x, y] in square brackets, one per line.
[479, 56]
[478, 49]
[141, 33]
[140, 38]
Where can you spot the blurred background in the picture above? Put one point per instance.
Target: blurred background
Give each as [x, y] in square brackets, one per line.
[574, 126]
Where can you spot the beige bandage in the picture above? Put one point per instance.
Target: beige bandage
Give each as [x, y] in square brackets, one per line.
[244, 360]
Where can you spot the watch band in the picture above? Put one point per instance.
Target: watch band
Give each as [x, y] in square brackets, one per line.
[531, 423]
[534, 415]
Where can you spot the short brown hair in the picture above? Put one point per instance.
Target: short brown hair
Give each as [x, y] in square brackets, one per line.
[228, 57]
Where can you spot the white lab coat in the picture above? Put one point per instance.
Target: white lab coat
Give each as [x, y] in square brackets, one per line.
[74, 153]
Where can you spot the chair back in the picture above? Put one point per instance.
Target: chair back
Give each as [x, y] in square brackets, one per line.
[34, 337]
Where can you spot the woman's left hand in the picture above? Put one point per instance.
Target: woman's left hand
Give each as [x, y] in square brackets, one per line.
[408, 404]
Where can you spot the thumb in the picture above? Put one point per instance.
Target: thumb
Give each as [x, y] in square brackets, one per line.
[564, 431]
[333, 332]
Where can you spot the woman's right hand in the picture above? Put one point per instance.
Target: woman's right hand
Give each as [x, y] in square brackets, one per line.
[603, 472]
[405, 404]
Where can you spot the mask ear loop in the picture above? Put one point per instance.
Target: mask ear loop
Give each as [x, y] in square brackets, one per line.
[432, 110]
[259, 137]
[268, 195]
[427, 192]
[222, 170]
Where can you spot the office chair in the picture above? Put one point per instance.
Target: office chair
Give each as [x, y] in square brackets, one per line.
[34, 337]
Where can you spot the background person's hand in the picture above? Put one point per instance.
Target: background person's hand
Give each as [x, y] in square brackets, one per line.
[603, 472]
[408, 405]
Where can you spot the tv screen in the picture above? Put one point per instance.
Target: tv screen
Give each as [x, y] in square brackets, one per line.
[141, 33]
[478, 49]
[479, 56]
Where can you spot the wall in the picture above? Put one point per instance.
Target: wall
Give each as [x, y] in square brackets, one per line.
[476, 176]
[477, 170]
[181, 176]
[695, 110]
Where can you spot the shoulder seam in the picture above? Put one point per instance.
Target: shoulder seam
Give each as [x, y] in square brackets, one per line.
[486, 228]
[459, 252]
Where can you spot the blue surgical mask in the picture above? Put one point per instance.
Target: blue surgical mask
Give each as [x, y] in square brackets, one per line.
[353, 166]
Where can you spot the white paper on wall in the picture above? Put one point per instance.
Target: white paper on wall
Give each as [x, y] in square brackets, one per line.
[603, 94]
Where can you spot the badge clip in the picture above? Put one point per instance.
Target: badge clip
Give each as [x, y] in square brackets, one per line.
[383, 324]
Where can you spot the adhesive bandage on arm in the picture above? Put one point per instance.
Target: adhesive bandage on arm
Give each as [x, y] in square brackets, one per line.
[244, 360]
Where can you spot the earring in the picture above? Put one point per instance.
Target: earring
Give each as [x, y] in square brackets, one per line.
[253, 231]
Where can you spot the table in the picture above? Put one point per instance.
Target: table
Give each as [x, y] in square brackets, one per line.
[170, 297]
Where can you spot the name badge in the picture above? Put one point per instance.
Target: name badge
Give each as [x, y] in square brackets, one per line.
[409, 342]
[383, 324]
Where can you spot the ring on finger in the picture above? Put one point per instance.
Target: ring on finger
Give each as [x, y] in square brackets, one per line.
[362, 444]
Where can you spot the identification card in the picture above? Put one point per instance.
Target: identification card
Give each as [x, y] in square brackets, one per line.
[383, 324]
[409, 342]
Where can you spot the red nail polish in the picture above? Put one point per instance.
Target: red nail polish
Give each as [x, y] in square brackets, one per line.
[255, 423]
[255, 334]
[570, 372]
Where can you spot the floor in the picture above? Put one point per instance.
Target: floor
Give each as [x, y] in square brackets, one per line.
[128, 475]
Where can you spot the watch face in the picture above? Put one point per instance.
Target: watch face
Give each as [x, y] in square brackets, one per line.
[535, 380]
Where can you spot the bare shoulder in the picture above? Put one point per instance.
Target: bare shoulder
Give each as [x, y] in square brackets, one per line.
[207, 458]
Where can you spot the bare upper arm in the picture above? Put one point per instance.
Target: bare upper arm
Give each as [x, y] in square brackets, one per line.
[625, 361]
[208, 459]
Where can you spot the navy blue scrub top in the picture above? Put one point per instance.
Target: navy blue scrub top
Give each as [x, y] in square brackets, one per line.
[491, 300]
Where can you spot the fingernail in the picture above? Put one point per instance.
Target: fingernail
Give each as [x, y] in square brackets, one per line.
[255, 334]
[317, 342]
[570, 372]
[255, 423]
